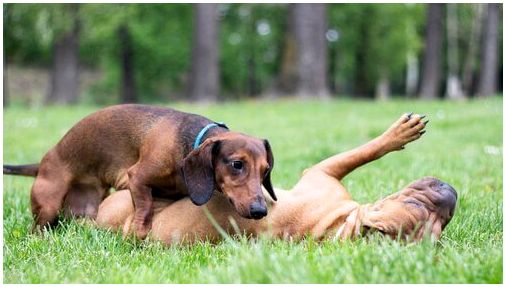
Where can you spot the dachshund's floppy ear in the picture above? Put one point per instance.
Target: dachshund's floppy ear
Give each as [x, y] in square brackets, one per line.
[267, 179]
[198, 172]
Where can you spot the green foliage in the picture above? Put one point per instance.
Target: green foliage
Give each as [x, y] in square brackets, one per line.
[374, 40]
[251, 38]
[30, 29]
[393, 33]
[161, 36]
[462, 148]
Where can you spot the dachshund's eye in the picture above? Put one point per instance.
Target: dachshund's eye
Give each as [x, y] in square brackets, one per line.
[237, 164]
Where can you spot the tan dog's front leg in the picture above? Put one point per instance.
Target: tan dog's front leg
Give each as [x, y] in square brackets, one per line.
[406, 129]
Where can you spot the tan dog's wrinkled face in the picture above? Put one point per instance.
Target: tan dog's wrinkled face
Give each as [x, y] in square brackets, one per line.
[422, 208]
[235, 164]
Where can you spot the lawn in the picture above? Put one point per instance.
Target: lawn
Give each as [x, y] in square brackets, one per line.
[462, 146]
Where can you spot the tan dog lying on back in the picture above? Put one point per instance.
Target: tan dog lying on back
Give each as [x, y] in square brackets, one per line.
[318, 205]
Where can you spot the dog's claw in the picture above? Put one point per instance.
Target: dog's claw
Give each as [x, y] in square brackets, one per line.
[423, 116]
[422, 132]
[425, 123]
[409, 115]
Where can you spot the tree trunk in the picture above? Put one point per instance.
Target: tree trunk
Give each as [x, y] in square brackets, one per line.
[488, 72]
[5, 90]
[253, 82]
[65, 70]
[470, 61]
[412, 64]
[204, 83]
[128, 91]
[309, 28]
[429, 86]
[288, 73]
[411, 74]
[453, 87]
[382, 88]
[362, 79]
[333, 69]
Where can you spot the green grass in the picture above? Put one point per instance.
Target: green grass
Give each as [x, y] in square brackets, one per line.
[463, 146]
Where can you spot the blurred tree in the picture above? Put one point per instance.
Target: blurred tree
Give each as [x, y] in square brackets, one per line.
[429, 86]
[107, 42]
[42, 35]
[28, 32]
[65, 68]
[145, 49]
[252, 83]
[363, 82]
[204, 85]
[472, 48]
[160, 38]
[310, 25]
[365, 37]
[287, 78]
[251, 41]
[332, 36]
[128, 90]
[162, 35]
[453, 85]
[346, 20]
[488, 72]
[392, 28]
[5, 90]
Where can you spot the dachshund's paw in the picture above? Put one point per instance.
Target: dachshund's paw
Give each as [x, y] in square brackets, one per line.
[409, 127]
[136, 230]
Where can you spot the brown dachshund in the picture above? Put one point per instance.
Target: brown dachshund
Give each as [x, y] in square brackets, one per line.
[153, 152]
[318, 205]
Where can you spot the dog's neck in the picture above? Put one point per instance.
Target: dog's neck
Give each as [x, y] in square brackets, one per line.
[352, 226]
[212, 132]
[190, 130]
[345, 223]
[318, 221]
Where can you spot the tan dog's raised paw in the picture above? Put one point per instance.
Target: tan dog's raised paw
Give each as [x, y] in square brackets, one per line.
[409, 127]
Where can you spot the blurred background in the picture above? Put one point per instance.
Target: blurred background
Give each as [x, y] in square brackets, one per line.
[103, 54]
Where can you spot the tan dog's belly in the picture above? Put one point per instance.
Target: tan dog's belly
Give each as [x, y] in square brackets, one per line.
[176, 221]
[292, 216]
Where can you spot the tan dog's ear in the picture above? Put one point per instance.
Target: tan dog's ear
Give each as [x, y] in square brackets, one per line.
[198, 172]
[267, 179]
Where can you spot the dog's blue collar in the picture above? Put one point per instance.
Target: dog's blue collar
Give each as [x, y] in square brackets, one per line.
[198, 139]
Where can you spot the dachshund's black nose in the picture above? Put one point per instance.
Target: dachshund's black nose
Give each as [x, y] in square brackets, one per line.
[257, 210]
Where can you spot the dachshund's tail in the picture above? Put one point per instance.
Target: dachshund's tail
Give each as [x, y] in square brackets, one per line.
[26, 170]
